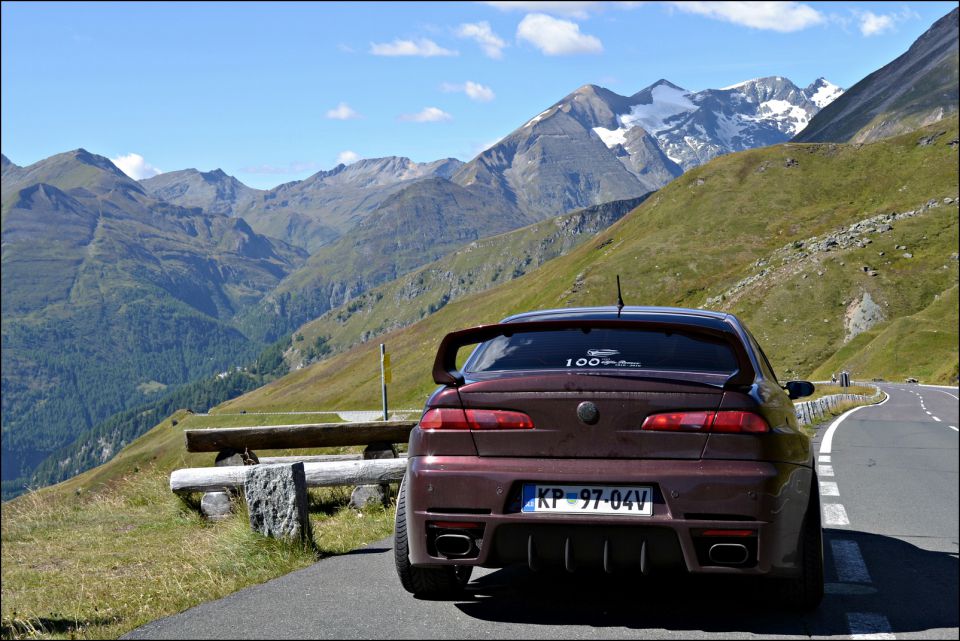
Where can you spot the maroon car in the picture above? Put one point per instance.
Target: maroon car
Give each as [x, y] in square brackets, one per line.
[634, 441]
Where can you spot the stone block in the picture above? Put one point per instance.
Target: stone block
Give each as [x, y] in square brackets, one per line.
[277, 501]
[216, 506]
[369, 494]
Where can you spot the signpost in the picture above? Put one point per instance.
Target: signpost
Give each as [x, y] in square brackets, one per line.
[384, 376]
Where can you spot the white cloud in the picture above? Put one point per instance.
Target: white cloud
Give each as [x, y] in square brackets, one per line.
[556, 37]
[343, 111]
[572, 9]
[135, 166]
[474, 90]
[775, 16]
[430, 114]
[422, 47]
[872, 24]
[347, 157]
[491, 43]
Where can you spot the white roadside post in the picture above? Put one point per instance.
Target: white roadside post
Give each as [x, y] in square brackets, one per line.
[384, 376]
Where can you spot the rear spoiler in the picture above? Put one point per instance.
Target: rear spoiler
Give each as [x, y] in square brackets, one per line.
[445, 370]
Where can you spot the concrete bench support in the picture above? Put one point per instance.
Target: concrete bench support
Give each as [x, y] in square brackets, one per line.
[277, 501]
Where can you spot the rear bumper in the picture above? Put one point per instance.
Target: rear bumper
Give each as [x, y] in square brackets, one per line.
[689, 497]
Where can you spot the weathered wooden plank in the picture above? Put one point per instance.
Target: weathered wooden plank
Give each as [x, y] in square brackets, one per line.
[314, 458]
[329, 474]
[278, 437]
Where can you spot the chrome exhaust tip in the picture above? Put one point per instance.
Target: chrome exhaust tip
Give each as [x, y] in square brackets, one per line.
[454, 545]
[728, 553]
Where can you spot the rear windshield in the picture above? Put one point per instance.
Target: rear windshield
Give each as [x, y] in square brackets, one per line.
[607, 349]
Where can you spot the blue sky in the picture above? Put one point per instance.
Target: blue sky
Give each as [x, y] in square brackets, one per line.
[273, 92]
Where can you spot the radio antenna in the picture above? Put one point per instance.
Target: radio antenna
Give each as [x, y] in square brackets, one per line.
[619, 297]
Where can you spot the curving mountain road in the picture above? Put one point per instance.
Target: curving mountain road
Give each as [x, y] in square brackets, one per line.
[889, 485]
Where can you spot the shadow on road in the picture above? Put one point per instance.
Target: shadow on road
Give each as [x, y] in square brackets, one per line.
[915, 589]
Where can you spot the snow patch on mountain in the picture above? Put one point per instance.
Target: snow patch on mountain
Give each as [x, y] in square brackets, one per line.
[667, 104]
[612, 137]
[826, 92]
[537, 118]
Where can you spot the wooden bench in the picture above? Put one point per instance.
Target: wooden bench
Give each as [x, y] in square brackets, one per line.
[281, 437]
[379, 464]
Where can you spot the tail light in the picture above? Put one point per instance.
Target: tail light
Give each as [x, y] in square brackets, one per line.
[724, 422]
[445, 418]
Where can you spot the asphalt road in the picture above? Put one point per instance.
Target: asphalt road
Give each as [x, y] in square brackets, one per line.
[889, 480]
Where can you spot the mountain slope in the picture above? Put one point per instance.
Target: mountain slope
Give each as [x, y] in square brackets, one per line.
[595, 145]
[316, 211]
[412, 227]
[591, 147]
[109, 296]
[474, 267]
[708, 234]
[213, 191]
[918, 88]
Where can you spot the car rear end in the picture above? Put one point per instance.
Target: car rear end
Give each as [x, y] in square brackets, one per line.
[635, 442]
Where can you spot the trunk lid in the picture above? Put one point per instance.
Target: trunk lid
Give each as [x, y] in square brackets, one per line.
[621, 403]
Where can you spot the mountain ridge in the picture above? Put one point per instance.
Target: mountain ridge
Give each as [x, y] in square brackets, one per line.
[108, 293]
[917, 88]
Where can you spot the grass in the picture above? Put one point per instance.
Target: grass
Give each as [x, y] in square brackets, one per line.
[113, 549]
[829, 390]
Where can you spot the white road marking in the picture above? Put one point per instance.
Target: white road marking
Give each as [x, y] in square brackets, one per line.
[953, 427]
[826, 444]
[849, 562]
[829, 488]
[835, 514]
[869, 625]
[825, 470]
[949, 394]
[929, 413]
[936, 419]
[823, 458]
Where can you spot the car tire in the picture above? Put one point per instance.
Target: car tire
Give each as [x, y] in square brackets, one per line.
[437, 582]
[805, 591]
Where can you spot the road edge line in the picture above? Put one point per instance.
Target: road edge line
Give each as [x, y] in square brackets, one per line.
[826, 444]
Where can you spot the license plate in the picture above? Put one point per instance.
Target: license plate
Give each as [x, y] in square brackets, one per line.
[588, 499]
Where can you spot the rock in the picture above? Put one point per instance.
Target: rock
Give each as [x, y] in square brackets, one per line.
[216, 506]
[929, 140]
[862, 314]
[230, 456]
[380, 450]
[907, 255]
[872, 272]
[900, 247]
[277, 501]
[790, 162]
[368, 494]
[947, 200]
[880, 253]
